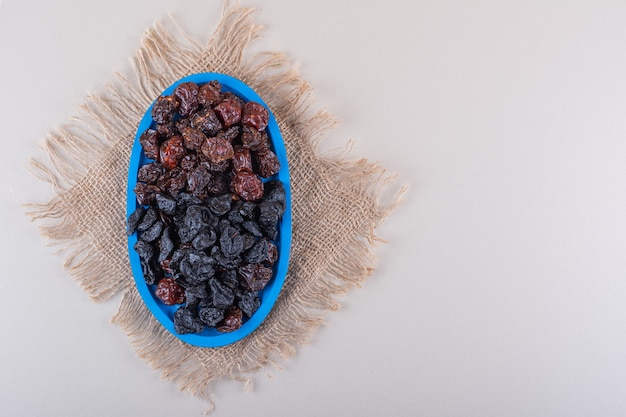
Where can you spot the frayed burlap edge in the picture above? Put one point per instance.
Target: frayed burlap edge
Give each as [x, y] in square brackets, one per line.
[336, 201]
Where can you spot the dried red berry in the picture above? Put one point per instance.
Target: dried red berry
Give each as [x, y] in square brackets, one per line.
[194, 138]
[217, 149]
[232, 320]
[242, 159]
[209, 93]
[267, 163]
[229, 110]
[150, 144]
[253, 139]
[164, 109]
[247, 185]
[187, 96]
[255, 115]
[255, 276]
[169, 292]
[172, 151]
[146, 193]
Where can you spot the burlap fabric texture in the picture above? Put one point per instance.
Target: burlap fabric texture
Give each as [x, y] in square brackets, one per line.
[336, 201]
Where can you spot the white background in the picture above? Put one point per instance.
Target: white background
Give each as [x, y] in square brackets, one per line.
[501, 291]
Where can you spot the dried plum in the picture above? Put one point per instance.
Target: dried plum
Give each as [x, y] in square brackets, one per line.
[220, 204]
[187, 321]
[150, 216]
[249, 303]
[211, 316]
[153, 232]
[220, 296]
[134, 219]
[166, 204]
[204, 240]
[166, 246]
[257, 253]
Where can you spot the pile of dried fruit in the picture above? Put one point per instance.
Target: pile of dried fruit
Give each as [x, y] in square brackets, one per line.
[206, 221]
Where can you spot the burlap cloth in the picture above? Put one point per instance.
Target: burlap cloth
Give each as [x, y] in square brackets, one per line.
[336, 201]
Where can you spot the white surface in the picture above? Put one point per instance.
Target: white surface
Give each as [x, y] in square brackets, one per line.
[504, 275]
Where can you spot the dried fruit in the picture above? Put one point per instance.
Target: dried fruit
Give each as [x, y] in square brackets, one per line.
[267, 163]
[187, 96]
[232, 320]
[150, 173]
[149, 141]
[207, 121]
[171, 152]
[247, 185]
[255, 115]
[169, 292]
[242, 159]
[217, 149]
[164, 109]
[229, 110]
[209, 93]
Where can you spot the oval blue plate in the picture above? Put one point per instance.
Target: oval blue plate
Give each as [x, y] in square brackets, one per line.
[163, 313]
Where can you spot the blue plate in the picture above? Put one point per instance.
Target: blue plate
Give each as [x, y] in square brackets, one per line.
[163, 313]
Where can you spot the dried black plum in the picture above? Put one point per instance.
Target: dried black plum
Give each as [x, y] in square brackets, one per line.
[134, 219]
[211, 316]
[186, 321]
[249, 303]
[195, 293]
[166, 204]
[144, 250]
[220, 296]
[252, 227]
[269, 213]
[153, 233]
[220, 204]
[148, 219]
[224, 262]
[248, 240]
[231, 243]
[275, 192]
[229, 278]
[166, 246]
[204, 239]
[197, 267]
[257, 253]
